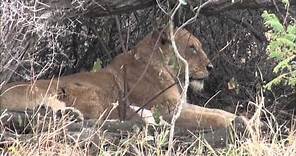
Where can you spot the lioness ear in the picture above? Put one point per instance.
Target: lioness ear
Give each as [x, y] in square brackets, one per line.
[161, 35]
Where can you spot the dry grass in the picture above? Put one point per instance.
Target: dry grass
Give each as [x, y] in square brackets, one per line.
[53, 143]
[58, 140]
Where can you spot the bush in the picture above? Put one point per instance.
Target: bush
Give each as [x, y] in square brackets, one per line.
[282, 48]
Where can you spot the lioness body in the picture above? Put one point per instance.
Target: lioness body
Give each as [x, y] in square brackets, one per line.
[152, 61]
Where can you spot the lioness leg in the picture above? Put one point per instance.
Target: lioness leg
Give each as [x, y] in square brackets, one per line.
[196, 117]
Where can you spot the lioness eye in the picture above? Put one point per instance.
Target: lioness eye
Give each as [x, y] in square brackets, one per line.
[193, 50]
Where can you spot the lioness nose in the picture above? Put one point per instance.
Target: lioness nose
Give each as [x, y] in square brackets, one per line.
[210, 67]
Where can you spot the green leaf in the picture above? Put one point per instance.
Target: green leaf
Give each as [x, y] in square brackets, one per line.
[272, 21]
[292, 81]
[275, 25]
[291, 29]
[283, 64]
[275, 81]
[275, 55]
[97, 65]
[275, 51]
[283, 41]
[290, 37]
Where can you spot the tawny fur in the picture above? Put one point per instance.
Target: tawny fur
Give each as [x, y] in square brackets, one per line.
[94, 93]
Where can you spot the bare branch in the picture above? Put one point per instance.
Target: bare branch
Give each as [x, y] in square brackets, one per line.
[183, 97]
[99, 8]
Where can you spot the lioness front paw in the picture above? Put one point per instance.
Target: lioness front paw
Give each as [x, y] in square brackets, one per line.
[71, 114]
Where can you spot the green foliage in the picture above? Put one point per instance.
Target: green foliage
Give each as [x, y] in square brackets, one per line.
[282, 48]
[97, 65]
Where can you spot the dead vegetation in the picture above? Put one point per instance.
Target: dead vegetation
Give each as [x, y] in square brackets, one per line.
[47, 136]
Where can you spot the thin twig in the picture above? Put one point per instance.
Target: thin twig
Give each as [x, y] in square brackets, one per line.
[120, 35]
[183, 101]
[124, 101]
[125, 91]
[177, 110]
[195, 16]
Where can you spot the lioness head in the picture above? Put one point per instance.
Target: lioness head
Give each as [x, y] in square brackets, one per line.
[191, 49]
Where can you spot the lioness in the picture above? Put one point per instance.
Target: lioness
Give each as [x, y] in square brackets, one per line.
[151, 62]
